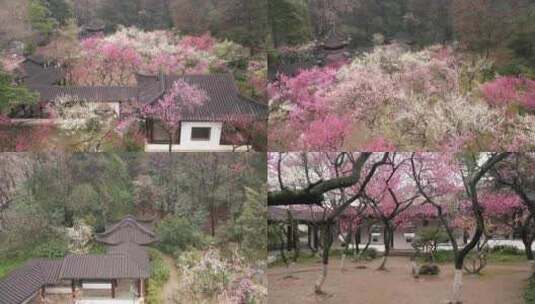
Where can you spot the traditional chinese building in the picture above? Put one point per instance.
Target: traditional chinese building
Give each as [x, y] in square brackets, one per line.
[207, 128]
[303, 228]
[332, 49]
[118, 276]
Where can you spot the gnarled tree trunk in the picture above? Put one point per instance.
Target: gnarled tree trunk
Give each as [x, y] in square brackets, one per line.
[347, 249]
[388, 241]
[357, 242]
[414, 269]
[363, 251]
[527, 240]
[457, 288]
[318, 288]
[327, 242]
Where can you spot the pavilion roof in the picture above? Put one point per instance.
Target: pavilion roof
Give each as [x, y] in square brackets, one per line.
[22, 284]
[304, 213]
[224, 99]
[123, 262]
[128, 230]
[334, 41]
[300, 213]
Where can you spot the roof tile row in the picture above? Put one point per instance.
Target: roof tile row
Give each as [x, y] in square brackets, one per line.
[125, 258]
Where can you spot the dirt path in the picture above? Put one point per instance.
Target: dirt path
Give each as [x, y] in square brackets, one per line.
[171, 287]
[500, 284]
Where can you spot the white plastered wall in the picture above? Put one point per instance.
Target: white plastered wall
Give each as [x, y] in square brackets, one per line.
[215, 135]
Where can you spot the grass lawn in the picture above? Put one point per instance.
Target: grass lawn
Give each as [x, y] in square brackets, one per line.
[442, 257]
[494, 257]
[529, 293]
[309, 258]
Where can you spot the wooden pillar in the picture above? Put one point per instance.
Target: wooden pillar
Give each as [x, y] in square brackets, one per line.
[73, 289]
[113, 283]
[179, 131]
[148, 130]
[392, 231]
[289, 237]
[357, 239]
[316, 237]
[43, 294]
[309, 234]
[295, 237]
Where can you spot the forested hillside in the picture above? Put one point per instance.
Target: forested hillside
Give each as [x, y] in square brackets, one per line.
[61, 188]
[479, 25]
[31, 21]
[205, 208]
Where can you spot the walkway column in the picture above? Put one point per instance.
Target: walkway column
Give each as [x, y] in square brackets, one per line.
[113, 283]
[309, 236]
[316, 237]
[42, 294]
[73, 289]
[289, 237]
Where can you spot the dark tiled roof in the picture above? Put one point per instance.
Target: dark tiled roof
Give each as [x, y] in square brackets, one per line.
[48, 76]
[146, 79]
[135, 253]
[22, 284]
[224, 100]
[35, 73]
[97, 94]
[126, 260]
[300, 213]
[125, 257]
[149, 91]
[38, 59]
[35, 69]
[145, 222]
[303, 213]
[108, 266]
[289, 69]
[95, 25]
[334, 41]
[50, 271]
[127, 230]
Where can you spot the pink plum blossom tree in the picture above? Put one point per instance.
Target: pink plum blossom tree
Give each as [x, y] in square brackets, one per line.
[333, 180]
[515, 175]
[246, 130]
[396, 189]
[114, 59]
[444, 181]
[105, 63]
[388, 198]
[182, 98]
[507, 90]
[413, 100]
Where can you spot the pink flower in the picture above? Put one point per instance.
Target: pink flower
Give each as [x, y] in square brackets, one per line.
[379, 144]
[327, 133]
[528, 100]
[181, 99]
[509, 89]
[203, 43]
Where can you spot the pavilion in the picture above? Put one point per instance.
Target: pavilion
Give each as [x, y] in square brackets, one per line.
[119, 275]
